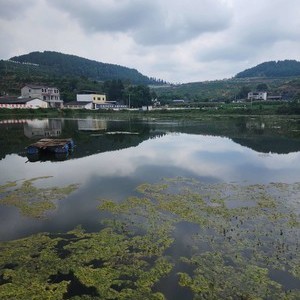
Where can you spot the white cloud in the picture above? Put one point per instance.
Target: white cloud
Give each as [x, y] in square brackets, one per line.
[14, 9]
[149, 22]
[106, 16]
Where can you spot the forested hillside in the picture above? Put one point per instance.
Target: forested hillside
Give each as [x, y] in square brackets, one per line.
[73, 74]
[60, 64]
[273, 69]
[230, 89]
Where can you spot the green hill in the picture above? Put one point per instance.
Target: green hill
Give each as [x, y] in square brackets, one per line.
[59, 64]
[73, 74]
[229, 89]
[273, 69]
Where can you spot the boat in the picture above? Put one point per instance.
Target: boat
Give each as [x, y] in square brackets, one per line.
[56, 146]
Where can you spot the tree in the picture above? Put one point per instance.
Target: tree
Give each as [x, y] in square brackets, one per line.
[243, 93]
[114, 90]
[139, 95]
[262, 87]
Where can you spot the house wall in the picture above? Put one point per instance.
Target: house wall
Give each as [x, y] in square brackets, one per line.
[84, 98]
[99, 99]
[36, 103]
[28, 92]
[89, 105]
[257, 95]
[42, 92]
[8, 105]
[95, 98]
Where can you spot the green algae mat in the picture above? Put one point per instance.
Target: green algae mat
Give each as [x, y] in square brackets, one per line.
[33, 201]
[216, 241]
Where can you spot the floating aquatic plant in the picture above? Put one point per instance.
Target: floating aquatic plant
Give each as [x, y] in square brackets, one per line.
[107, 264]
[241, 235]
[31, 200]
[250, 227]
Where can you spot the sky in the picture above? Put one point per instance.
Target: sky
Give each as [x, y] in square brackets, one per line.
[177, 41]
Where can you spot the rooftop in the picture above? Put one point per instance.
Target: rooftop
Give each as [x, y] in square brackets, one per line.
[34, 86]
[15, 100]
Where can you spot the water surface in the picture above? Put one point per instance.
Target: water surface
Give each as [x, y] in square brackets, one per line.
[114, 156]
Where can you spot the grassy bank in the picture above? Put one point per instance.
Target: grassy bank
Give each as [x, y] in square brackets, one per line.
[255, 108]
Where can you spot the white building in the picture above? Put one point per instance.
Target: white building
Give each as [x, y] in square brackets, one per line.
[95, 98]
[93, 101]
[78, 105]
[22, 103]
[257, 96]
[49, 94]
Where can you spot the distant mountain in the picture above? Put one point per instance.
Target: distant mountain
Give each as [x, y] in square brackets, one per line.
[60, 64]
[273, 69]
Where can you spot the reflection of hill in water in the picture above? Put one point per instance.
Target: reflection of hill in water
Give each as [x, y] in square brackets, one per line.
[109, 142]
[265, 136]
[94, 144]
[91, 138]
[269, 144]
[12, 140]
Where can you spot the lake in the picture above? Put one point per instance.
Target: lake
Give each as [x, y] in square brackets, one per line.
[151, 208]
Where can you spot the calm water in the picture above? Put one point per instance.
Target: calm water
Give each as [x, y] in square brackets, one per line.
[113, 156]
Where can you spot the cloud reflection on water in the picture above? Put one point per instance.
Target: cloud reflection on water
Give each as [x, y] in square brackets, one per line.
[203, 156]
[115, 174]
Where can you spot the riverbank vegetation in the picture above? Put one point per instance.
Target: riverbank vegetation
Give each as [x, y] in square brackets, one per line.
[179, 110]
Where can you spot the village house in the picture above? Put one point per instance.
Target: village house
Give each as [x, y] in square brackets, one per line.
[263, 96]
[14, 102]
[49, 94]
[257, 96]
[97, 100]
[86, 101]
[93, 101]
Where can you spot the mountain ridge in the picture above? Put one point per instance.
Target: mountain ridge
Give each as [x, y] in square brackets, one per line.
[272, 69]
[72, 65]
[71, 77]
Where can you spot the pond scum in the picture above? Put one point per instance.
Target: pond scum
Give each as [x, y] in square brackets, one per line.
[243, 236]
[31, 200]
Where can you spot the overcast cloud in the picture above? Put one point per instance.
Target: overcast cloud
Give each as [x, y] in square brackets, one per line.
[178, 41]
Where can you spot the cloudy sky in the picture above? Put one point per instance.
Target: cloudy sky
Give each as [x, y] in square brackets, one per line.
[178, 41]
